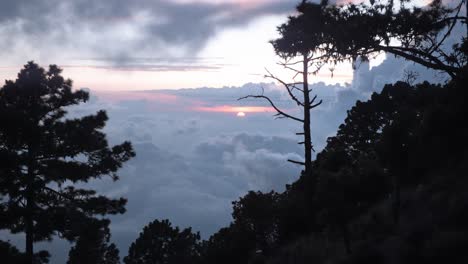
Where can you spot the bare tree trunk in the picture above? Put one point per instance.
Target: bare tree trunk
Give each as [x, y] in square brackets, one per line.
[30, 209]
[29, 229]
[307, 105]
[307, 136]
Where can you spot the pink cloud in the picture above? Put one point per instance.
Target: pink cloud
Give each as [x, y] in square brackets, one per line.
[233, 109]
[160, 101]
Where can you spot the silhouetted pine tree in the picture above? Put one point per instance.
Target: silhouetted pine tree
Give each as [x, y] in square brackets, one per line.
[43, 155]
[92, 247]
[256, 214]
[161, 243]
[342, 32]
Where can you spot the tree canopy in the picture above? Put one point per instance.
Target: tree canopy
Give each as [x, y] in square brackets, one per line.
[335, 33]
[93, 245]
[159, 242]
[43, 155]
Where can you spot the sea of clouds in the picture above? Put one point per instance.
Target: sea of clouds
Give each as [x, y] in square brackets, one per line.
[192, 159]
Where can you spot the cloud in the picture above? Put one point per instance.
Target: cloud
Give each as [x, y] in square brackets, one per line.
[190, 165]
[150, 67]
[234, 109]
[195, 187]
[120, 29]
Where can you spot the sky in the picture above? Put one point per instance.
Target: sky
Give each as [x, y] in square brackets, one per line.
[146, 44]
[169, 73]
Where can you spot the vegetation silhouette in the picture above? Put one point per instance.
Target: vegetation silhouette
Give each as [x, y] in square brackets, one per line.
[43, 155]
[343, 32]
[323, 35]
[10, 254]
[389, 187]
[93, 245]
[386, 187]
[159, 242]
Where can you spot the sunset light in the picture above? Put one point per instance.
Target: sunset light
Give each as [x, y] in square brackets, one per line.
[241, 114]
[234, 109]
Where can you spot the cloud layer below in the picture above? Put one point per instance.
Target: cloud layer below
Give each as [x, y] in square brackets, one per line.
[195, 156]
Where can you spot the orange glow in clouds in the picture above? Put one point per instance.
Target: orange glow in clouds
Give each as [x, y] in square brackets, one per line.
[234, 109]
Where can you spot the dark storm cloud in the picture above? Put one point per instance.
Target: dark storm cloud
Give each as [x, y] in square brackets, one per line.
[167, 23]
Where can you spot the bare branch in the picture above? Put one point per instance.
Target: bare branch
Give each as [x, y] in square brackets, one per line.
[313, 100]
[433, 62]
[315, 105]
[287, 86]
[279, 112]
[301, 90]
[449, 31]
[296, 162]
[290, 68]
[322, 57]
[286, 62]
[456, 18]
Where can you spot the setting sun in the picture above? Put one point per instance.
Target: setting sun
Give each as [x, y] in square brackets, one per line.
[241, 114]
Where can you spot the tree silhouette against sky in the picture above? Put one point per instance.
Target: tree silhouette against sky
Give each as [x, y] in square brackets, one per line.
[43, 155]
[159, 242]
